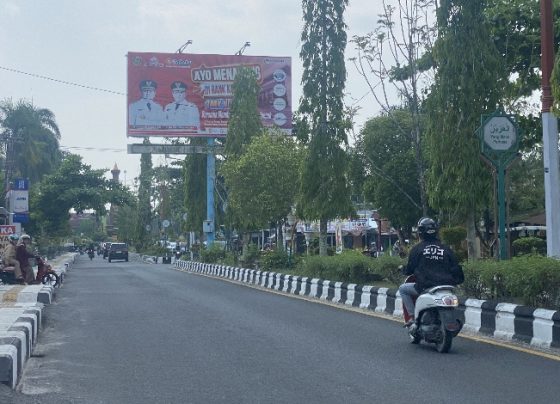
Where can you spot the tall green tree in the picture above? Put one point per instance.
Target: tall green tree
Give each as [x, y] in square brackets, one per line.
[30, 137]
[244, 124]
[144, 211]
[244, 117]
[126, 222]
[467, 84]
[325, 193]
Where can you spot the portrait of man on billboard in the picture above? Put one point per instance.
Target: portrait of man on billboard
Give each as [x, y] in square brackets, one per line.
[180, 112]
[145, 111]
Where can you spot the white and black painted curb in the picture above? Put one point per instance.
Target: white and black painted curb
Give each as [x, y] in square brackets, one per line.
[19, 327]
[21, 317]
[537, 327]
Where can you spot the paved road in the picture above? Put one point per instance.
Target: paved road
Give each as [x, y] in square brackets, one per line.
[140, 333]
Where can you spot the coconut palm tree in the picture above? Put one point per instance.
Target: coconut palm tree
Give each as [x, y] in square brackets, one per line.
[29, 137]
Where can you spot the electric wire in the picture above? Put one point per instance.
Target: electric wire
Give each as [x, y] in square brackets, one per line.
[61, 81]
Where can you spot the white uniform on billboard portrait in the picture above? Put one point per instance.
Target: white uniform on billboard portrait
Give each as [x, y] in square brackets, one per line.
[145, 111]
[181, 113]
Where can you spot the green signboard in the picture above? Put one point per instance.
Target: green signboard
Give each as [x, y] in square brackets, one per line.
[499, 137]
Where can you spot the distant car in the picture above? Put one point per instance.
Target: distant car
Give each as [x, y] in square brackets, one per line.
[118, 251]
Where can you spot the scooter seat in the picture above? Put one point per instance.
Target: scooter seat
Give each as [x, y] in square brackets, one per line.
[8, 269]
[439, 287]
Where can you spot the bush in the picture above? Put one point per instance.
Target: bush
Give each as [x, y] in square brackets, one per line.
[353, 267]
[529, 245]
[530, 280]
[388, 268]
[536, 280]
[212, 254]
[274, 260]
[484, 279]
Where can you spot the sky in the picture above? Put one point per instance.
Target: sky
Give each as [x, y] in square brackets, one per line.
[86, 41]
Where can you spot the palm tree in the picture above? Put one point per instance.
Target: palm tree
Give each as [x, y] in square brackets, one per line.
[29, 137]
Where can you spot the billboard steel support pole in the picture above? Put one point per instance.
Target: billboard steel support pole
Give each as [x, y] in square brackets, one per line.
[210, 177]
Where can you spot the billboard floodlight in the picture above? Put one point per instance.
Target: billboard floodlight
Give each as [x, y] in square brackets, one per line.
[240, 51]
[182, 48]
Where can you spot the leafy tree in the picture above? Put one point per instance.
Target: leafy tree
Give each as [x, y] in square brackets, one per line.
[30, 137]
[74, 185]
[405, 32]
[388, 157]
[467, 84]
[244, 117]
[168, 196]
[515, 28]
[526, 184]
[325, 193]
[263, 183]
[243, 125]
[144, 211]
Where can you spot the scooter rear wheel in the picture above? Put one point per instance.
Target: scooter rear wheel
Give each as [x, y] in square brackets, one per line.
[445, 339]
[51, 279]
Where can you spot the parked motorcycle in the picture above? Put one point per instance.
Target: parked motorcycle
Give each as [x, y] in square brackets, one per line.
[7, 275]
[436, 317]
[45, 274]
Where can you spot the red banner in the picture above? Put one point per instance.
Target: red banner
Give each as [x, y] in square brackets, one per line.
[181, 94]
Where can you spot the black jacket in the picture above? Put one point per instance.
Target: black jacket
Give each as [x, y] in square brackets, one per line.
[433, 263]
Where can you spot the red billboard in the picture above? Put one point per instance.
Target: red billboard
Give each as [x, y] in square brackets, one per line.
[182, 94]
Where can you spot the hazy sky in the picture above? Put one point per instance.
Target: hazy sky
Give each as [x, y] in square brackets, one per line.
[85, 42]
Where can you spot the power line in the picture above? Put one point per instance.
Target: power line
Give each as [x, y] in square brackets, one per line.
[61, 81]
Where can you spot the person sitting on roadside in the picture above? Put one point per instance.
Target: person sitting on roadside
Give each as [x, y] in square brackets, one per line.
[10, 259]
[23, 254]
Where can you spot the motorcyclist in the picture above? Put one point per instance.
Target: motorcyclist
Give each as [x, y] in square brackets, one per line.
[10, 259]
[431, 262]
[23, 254]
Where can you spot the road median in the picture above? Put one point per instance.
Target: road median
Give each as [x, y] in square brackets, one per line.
[21, 318]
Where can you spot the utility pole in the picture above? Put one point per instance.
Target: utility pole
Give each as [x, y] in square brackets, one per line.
[9, 140]
[550, 135]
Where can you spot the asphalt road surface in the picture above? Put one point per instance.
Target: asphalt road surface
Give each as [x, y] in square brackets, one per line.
[129, 332]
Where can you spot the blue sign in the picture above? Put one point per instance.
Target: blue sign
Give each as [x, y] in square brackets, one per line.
[21, 184]
[20, 218]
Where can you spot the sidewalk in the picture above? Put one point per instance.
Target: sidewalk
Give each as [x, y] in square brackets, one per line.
[21, 311]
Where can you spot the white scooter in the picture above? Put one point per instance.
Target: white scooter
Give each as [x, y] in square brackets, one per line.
[436, 319]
